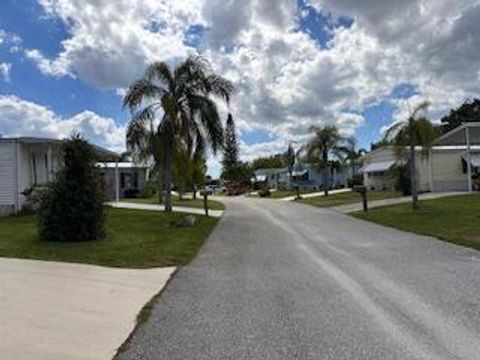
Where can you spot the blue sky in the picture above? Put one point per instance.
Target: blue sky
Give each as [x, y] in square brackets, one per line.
[295, 63]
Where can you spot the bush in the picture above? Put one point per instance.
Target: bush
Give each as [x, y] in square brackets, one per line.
[71, 209]
[402, 179]
[264, 193]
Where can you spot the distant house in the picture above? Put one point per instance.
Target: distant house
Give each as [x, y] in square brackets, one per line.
[306, 176]
[28, 164]
[131, 179]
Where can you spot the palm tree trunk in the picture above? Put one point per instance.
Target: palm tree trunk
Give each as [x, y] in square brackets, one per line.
[168, 176]
[413, 177]
[326, 178]
[160, 186]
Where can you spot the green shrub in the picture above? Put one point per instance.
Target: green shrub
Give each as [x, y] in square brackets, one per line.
[72, 207]
[264, 193]
[403, 184]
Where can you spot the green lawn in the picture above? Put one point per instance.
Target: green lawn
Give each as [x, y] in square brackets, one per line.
[134, 238]
[347, 198]
[188, 202]
[454, 219]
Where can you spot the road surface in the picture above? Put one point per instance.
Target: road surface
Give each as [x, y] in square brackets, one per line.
[280, 280]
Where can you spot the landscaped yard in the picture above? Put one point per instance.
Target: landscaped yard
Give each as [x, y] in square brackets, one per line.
[186, 201]
[454, 219]
[347, 198]
[134, 238]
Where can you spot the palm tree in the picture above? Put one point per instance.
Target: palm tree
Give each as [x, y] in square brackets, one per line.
[290, 160]
[409, 133]
[353, 154]
[325, 143]
[181, 103]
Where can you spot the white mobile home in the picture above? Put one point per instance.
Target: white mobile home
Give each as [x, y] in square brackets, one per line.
[453, 163]
[444, 169]
[129, 178]
[27, 164]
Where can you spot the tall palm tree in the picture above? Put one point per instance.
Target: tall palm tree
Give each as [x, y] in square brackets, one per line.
[409, 133]
[326, 142]
[353, 154]
[181, 102]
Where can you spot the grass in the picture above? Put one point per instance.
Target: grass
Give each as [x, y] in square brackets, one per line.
[453, 219]
[187, 202]
[347, 198]
[134, 239]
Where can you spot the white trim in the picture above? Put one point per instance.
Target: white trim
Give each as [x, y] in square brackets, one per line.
[117, 184]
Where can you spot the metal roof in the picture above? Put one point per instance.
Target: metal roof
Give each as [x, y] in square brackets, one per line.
[457, 136]
[380, 166]
[102, 153]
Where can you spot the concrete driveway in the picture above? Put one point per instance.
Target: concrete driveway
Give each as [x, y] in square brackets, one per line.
[280, 280]
[51, 311]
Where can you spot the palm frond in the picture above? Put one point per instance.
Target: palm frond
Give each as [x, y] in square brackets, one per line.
[140, 91]
[160, 71]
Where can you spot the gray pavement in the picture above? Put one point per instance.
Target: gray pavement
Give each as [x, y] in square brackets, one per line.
[280, 280]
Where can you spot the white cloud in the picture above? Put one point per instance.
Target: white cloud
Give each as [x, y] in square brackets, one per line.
[5, 71]
[285, 80]
[25, 118]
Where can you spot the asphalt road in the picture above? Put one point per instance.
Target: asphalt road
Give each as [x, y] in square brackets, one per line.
[279, 280]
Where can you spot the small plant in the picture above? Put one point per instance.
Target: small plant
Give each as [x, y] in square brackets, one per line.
[71, 209]
[264, 193]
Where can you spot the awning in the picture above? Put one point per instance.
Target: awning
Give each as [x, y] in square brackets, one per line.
[474, 159]
[380, 166]
[299, 172]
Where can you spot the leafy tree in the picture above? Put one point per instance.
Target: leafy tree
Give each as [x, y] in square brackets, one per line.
[409, 133]
[230, 151]
[72, 207]
[269, 162]
[199, 171]
[325, 144]
[469, 111]
[177, 105]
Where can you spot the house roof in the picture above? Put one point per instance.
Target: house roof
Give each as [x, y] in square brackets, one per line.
[458, 136]
[102, 153]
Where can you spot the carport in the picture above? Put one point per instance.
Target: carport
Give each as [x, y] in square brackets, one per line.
[466, 136]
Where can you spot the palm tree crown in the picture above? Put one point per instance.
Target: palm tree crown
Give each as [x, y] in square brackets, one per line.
[408, 134]
[327, 142]
[176, 108]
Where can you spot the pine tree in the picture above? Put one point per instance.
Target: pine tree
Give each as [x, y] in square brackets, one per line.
[230, 153]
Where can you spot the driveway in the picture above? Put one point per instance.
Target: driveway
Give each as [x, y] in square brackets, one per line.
[280, 280]
[58, 311]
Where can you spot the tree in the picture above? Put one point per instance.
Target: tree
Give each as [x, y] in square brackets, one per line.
[199, 171]
[230, 152]
[269, 162]
[410, 133]
[353, 154]
[72, 207]
[326, 142]
[469, 111]
[178, 105]
[290, 159]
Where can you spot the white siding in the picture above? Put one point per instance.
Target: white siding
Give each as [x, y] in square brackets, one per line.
[7, 173]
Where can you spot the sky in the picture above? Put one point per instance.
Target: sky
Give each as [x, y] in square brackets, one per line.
[359, 65]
